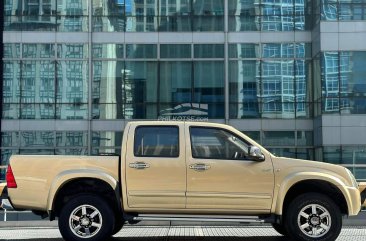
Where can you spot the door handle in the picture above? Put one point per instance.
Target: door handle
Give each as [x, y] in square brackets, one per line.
[139, 165]
[199, 167]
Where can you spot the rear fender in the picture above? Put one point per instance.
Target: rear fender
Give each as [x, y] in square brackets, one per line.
[67, 176]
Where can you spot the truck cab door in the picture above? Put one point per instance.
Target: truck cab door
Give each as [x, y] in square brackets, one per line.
[221, 177]
[155, 166]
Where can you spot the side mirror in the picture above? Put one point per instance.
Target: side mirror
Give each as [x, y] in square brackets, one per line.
[256, 154]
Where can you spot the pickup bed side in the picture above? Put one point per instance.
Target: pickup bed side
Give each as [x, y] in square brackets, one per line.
[38, 184]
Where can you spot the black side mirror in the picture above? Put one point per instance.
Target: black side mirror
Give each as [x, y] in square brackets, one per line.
[256, 154]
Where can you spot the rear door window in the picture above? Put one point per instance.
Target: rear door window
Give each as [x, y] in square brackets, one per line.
[156, 141]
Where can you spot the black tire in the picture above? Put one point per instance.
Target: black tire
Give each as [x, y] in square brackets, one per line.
[279, 228]
[313, 217]
[86, 215]
[118, 225]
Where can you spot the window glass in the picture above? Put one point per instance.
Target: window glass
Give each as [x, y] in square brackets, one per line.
[209, 51]
[283, 152]
[108, 7]
[243, 51]
[214, 143]
[109, 24]
[11, 82]
[304, 138]
[175, 51]
[278, 138]
[73, 23]
[11, 51]
[156, 141]
[107, 51]
[37, 139]
[38, 82]
[38, 50]
[71, 138]
[72, 82]
[141, 51]
[175, 82]
[107, 138]
[332, 154]
[72, 51]
[255, 135]
[174, 23]
[9, 139]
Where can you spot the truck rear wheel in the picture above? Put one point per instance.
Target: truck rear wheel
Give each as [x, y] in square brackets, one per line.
[86, 217]
[313, 217]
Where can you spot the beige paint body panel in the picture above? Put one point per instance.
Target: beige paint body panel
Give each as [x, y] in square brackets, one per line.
[362, 188]
[289, 172]
[2, 187]
[229, 184]
[160, 186]
[39, 177]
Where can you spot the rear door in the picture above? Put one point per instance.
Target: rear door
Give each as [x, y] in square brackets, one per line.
[155, 167]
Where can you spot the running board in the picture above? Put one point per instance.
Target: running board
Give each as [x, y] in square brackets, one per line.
[204, 218]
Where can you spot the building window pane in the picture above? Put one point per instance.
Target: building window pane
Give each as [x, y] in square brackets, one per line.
[72, 82]
[139, 89]
[209, 51]
[332, 154]
[72, 51]
[176, 82]
[9, 139]
[37, 139]
[71, 138]
[174, 51]
[107, 138]
[278, 138]
[243, 51]
[141, 51]
[304, 138]
[108, 51]
[283, 152]
[11, 51]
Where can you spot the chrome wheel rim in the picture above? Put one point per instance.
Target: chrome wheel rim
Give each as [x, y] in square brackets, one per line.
[85, 221]
[314, 221]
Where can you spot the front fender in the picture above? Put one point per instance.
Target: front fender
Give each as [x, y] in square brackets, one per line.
[64, 177]
[292, 179]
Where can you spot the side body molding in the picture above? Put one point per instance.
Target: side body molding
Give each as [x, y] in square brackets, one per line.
[294, 178]
[67, 176]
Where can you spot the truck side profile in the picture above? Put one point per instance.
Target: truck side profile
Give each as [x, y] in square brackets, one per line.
[184, 171]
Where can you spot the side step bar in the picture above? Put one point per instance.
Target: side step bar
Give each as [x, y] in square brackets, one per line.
[204, 218]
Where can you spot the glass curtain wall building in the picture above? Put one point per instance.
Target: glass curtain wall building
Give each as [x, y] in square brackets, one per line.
[288, 73]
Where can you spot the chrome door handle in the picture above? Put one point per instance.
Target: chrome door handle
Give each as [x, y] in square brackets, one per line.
[199, 167]
[139, 165]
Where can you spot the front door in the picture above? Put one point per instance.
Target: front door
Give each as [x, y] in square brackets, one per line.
[155, 167]
[220, 175]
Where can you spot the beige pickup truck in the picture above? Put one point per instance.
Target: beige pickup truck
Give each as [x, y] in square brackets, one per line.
[184, 171]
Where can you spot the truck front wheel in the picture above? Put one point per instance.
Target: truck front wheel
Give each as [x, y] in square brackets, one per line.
[313, 217]
[86, 217]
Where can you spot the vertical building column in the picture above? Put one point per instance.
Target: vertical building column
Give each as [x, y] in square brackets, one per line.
[90, 80]
[226, 29]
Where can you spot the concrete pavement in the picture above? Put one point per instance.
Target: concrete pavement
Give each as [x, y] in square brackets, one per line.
[177, 233]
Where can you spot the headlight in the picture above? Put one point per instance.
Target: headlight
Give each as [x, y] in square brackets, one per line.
[352, 178]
